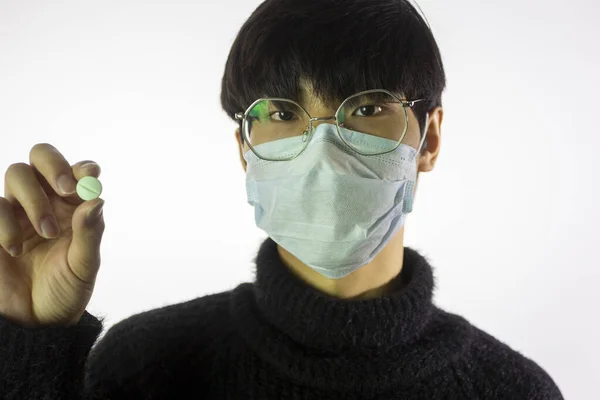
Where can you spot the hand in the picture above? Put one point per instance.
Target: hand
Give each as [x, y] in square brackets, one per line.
[51, 278]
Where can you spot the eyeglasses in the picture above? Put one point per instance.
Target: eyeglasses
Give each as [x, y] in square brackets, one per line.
[372, 122]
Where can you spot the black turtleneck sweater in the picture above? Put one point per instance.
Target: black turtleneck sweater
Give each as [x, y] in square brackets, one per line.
[275, 338]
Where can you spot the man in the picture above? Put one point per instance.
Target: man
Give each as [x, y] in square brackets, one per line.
[338, 105]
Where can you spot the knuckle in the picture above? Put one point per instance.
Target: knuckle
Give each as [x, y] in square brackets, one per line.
[37, 209]
[94, 234]
[101, 227]
[8, 236]
[9, 230]
[36, 203]
[41, 147]
[39, 203]
[16, 169]
[86, 259]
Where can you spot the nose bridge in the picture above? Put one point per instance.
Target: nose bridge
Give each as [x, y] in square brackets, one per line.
[316, 121]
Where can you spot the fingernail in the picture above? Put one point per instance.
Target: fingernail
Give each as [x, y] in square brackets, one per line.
[14, 250]
[49, 227]
[89, 165]
[95, 213]
[66, 184]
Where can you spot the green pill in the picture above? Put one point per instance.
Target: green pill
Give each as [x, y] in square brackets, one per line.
[89, 188]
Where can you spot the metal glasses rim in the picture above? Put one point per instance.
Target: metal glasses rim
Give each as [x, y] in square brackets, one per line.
[407, 103]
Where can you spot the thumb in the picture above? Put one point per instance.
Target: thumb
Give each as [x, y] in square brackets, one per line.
[88, 227]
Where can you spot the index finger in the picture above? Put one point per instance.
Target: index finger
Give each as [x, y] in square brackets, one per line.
[55, 171]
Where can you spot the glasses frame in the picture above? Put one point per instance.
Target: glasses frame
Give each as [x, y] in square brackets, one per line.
[242, 116]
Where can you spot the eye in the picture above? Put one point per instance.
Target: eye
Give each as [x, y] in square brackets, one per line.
[283, 116]
[368, 110]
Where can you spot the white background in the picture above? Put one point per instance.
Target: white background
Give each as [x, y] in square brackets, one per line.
[509, 217]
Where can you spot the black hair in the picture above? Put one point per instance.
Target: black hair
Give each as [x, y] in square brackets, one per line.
[340, 47]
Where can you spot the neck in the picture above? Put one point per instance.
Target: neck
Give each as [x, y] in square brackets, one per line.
[370, 281]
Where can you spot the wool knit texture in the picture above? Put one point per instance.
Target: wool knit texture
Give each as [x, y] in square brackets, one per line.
[274, 338]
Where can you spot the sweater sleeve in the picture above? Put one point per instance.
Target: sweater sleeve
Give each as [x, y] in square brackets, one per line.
[48, 362]
[503, 373]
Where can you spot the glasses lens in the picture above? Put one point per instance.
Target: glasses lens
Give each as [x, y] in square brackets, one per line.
[372, 123]
[277, 129]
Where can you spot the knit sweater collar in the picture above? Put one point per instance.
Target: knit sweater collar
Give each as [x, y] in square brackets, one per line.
[321, 321]
[328, 342]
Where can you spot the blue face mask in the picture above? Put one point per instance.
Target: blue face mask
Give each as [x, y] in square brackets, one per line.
[331, 207]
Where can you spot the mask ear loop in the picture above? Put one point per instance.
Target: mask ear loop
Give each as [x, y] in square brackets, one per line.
[409, 189]
[424, 133]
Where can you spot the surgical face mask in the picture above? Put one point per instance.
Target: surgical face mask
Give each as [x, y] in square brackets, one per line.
[331, 207]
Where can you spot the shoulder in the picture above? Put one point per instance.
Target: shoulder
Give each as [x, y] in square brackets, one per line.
[499, 372]
[153, 345]
[175, 318]
[160, 326]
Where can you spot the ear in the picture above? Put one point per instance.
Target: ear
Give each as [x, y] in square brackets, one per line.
[238, 137]
[430, 153]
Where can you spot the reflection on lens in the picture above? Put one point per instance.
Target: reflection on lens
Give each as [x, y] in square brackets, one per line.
[372, 123]
[277, 129]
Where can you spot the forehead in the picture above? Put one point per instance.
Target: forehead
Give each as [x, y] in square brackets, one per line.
[309, 98]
